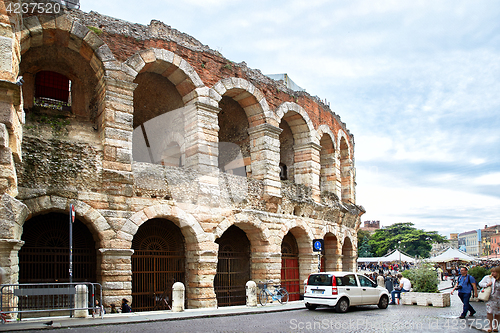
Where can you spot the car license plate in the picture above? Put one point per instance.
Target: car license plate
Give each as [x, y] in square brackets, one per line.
[318, 291]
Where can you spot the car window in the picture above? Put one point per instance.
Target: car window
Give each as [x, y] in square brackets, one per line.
[349, 280]
[365, 282]
[320, 280]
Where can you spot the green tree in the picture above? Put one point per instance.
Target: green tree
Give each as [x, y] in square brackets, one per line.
[364, 248]
[361, 236]
[404, 236]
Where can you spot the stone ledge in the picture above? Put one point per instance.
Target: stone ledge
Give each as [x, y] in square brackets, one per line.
[426, 299]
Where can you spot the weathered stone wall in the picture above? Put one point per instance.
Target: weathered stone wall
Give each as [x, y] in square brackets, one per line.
[144, 138]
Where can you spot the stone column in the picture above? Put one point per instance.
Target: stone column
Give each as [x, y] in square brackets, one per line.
[308, 263]
[265, 157]
[200, 273]
[115, 123]
[307, 167]
[328, 181]
[347, 179]
[9, 259]
[266, 264]
[11, 104]
[116, 275]
[11, 118]
[201, 149]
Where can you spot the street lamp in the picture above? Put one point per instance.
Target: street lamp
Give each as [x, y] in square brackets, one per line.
[399, 249]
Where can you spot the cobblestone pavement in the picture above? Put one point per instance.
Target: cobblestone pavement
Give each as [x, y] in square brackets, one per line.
[294, 318]
[398, 318]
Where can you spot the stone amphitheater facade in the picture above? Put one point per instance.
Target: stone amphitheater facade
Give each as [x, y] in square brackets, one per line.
[161, 130]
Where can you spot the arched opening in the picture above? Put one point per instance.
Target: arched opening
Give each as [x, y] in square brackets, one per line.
[286, 152]
[290, 278]
[330, 253]
[44, 256]
[233, 267]
[158, 121]
[157, 263]
[347, 256]
[234, 142]
[172, 155]
[283, 171]
[59, 82]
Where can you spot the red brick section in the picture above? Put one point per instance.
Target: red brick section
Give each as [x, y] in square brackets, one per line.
[212, 68]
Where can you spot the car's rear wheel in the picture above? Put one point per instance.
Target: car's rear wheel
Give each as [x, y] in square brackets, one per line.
[342, 305]
[311, 306]
[383, 302]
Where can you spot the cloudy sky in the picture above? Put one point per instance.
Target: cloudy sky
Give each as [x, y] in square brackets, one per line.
[416, 82]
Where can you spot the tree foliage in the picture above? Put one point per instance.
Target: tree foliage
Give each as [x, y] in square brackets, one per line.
[423, 279]
[404, 236]
[364, 248]
[479, 272]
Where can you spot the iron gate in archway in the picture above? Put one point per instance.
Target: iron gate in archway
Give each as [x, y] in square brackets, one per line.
[44, 256]
[157, 263]
[290, 278]
[233, 267]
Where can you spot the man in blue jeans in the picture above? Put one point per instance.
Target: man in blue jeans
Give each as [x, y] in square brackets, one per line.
[465, 285]
[404, 286]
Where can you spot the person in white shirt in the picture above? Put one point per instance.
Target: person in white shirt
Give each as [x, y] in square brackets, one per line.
[404, 286]
[493, 304]
[381, 280]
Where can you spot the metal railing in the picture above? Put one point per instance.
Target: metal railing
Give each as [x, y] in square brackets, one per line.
[32, 299]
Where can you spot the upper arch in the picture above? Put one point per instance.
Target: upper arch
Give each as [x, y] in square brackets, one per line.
[185, 221]
[173, 67]
[325, 130]
[302, 128]
[97, 224]
[250, 98]
[67, 32]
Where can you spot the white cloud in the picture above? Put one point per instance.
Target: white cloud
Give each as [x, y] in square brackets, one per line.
[488, 179]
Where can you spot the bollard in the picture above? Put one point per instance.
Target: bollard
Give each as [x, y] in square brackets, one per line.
[81, 301]
[178, 297]
[251, 289]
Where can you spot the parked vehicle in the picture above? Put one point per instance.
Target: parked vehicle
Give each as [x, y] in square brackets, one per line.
[343, 290]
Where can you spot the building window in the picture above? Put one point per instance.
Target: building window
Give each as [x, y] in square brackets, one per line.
[283, 172]
[52, 90]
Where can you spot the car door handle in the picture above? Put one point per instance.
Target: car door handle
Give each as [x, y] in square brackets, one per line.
[347, 288]
[364, 289]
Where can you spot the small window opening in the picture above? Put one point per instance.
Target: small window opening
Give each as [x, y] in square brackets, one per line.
[283, 172]
[52, 90]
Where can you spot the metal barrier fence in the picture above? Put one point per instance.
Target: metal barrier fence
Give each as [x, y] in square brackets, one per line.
[77, 298]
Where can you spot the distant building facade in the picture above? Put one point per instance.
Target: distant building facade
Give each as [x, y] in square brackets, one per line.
[486, 235]
[453, 241]
[470, 242]
[495, 244]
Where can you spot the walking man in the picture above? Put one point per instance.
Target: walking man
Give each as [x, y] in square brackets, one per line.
[465, 285]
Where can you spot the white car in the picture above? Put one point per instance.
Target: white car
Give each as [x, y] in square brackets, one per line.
[342, 290]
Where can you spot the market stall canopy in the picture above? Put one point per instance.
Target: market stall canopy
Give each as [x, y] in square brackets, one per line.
[368, 259]
[451, 255]
[395, 255]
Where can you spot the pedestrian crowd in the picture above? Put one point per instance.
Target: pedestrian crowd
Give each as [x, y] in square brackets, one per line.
[462, 282]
